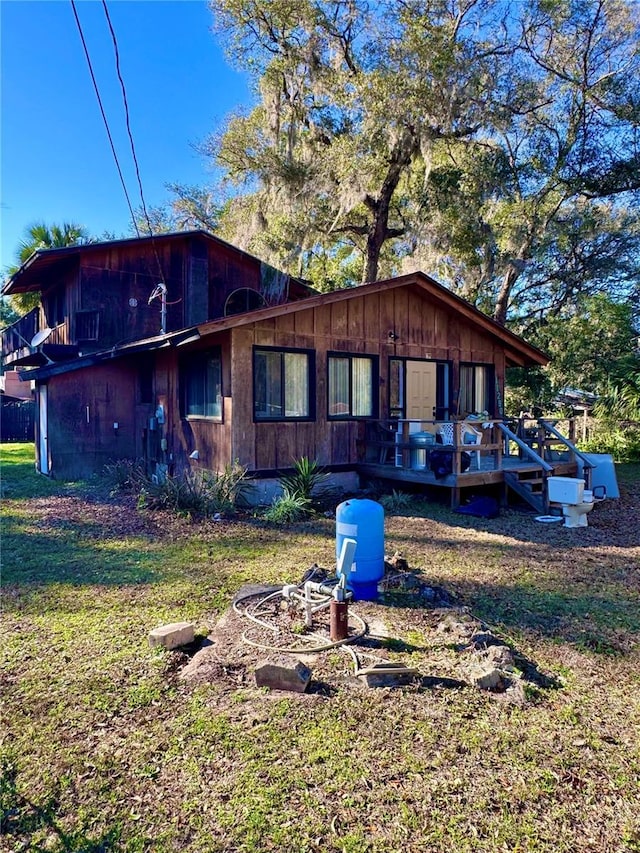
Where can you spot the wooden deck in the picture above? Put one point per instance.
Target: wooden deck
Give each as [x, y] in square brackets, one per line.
[398, 460]
[486, 476]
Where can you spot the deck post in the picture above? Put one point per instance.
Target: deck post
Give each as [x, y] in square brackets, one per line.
[406, 451]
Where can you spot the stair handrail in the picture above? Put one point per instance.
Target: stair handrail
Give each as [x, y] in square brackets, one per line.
[525, 447]
[571, 446]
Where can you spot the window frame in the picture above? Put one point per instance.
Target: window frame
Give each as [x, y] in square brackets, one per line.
[200, 359]
[375, 384]
[311, 384]
[489, 387]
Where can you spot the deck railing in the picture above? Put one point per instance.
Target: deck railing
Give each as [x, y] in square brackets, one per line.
[18, 335]
[409, 443]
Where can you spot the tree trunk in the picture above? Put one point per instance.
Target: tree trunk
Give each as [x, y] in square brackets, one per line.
[379, 230]
[508, 280]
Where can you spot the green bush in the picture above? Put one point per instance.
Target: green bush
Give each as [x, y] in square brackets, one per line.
[396, 501]
[124, 475]
[288, 507]
[308, 480]
[201, 492]
[622, 442]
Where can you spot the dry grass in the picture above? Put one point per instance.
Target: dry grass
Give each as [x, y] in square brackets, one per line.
[105, 748]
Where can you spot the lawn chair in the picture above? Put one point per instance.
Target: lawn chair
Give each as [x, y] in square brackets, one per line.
[470, 435]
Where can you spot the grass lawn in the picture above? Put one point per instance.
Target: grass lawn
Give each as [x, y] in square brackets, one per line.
[105, 748]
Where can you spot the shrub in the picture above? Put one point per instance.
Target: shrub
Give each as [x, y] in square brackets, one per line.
[124, 475]
[288, 507]
[622, 442]
[308, 480]
[396, 501]
[202, 492]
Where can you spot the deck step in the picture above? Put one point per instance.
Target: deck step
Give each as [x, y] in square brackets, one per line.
[535, 498]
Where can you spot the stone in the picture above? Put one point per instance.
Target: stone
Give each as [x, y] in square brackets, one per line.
[499, 656]
[382, 675]
[173, 635]
[483, 639]
[485, 677]
[397, 563]
[283, 673]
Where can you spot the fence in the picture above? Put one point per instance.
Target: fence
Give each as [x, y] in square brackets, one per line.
[17, 421]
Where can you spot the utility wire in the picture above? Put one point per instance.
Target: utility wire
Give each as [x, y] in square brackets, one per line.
[104, 117]
[126, 114]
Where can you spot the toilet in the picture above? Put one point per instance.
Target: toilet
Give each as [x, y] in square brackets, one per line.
[575, 515]
[576, 503]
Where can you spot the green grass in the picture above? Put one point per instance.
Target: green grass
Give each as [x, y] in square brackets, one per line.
[105, 749]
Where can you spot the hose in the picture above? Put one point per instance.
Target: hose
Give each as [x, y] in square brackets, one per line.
[303, 650]
[276, 592]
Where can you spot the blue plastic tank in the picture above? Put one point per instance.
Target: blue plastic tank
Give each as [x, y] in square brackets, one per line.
[362, 520]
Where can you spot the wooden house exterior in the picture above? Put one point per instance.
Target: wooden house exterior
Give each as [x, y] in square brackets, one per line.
[284, 374]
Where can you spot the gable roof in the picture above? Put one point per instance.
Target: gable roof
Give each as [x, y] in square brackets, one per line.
[519, 352]
[43, 261]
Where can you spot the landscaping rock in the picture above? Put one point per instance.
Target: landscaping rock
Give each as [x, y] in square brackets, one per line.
[483, 639]
[397, 563]
[499, 656]
[485, 677]
[173, 635]
[283, 673]
[380, 676]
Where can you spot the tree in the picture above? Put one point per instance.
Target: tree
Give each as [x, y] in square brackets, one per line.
[8, 314]
[39, 235]
[352, 97]
[483, 140]
[190, 208]
[552, 209]
[593, 346]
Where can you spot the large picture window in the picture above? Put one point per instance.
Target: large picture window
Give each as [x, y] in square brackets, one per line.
[282, 384]
[351, 387]
[476, 388]
[202, 385]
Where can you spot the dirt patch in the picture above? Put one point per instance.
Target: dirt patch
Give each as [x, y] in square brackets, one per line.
[395, 641]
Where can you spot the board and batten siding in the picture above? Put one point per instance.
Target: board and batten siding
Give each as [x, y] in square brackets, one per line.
[357, 325]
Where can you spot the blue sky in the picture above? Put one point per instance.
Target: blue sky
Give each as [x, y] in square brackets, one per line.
[56, 162]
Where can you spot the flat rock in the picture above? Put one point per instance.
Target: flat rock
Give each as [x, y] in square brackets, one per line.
[381, 675]
[173, 635]
[485, 677]
[283, 673]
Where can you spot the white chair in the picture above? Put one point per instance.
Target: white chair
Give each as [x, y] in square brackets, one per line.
[470, 436]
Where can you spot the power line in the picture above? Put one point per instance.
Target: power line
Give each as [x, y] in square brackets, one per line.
[129, 133]
[126, 114]
[104, 117]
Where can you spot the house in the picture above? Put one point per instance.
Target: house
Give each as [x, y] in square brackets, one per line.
[156, 348]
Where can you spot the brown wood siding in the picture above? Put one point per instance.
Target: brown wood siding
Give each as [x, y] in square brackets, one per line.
[212, 439]
[358, 326]
[228, 271]
[82, 409]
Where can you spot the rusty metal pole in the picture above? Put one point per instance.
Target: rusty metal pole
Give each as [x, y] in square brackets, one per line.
[338, 620]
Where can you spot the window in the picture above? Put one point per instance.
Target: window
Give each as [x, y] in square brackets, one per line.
[242, 300]
[281, 384]
[55, 306]
[202, 385]
[87, 324]
[352, 382]
[476, 389]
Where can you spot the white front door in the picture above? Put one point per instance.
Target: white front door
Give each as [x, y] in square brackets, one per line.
[43, 431]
